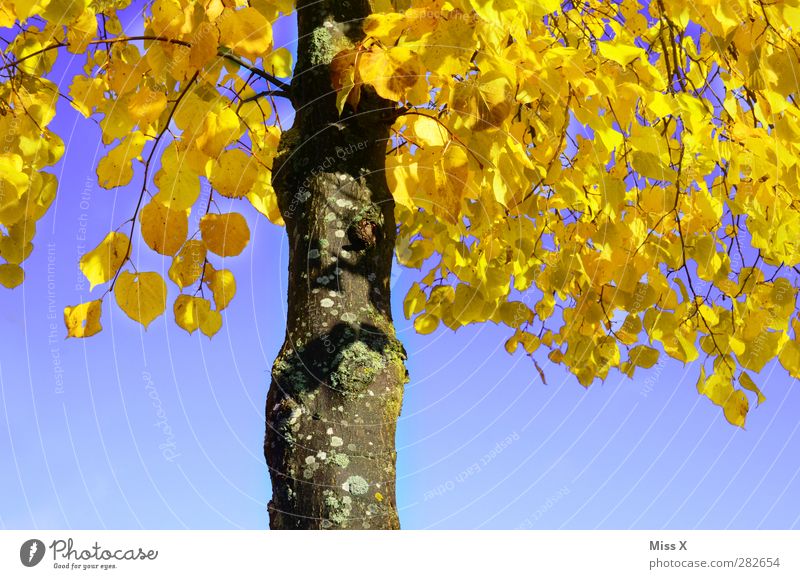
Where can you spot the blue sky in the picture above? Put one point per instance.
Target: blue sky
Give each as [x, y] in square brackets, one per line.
[159, 429]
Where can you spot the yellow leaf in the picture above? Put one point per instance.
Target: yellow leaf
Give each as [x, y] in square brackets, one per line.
[101, 264]
[511, 344]
[142, 296]
[205, 41]
[747, 383]
[83, 320]
[414, 302]
[115, 170]
[163, 229]
[448, 173]
[146, 105]
[426, 323]
[87, 93]
[11, 275]
[427, 131]
[644, 356]
[262, 197]
[222, 285]
[192, 313]
[81, 31]
[178, 186]
[343, 79]
[234, 173]
[623, 54]
[246, 32]
[402, 177]
[225, 234]
[789, 357]
[187, 265]
[650, 166]
[514, 313]
[219, 129]
[279, 63]
[736, 407]
[391, 72]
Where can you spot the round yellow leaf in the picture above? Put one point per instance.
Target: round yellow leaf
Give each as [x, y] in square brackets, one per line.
[234, 173]
[178, 184]
[225, 234]
[279, 63]
[426, 323]
[246, 32]
[146, 105]
[736, 408]
[164, 229]
[11, 275]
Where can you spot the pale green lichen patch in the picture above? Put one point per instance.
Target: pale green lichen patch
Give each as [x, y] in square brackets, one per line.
[338, 510]
[355, 368]
[339, 459]
[322, 47]
[290, 372]
[356, 485]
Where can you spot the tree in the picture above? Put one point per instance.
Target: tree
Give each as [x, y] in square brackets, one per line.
[615, 182]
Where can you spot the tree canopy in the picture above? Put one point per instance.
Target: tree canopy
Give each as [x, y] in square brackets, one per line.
[615, 182]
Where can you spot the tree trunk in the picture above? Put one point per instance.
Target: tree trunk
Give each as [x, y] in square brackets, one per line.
[337, 382]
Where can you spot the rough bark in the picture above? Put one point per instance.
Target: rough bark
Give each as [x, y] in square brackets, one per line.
[337, 382]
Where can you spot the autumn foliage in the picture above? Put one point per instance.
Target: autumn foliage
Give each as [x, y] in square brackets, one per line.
[615, 182]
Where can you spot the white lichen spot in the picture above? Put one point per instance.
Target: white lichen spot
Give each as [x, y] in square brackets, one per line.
[329, 431]
[348, 317]
[322, 455]
[310, 460]
[344, 253]
[313, 254]
[333, 293]
[335, 312]
[336, 441]
[343, 202]
[326, 303]
[339, 233]
[297, 412]
[356, 485]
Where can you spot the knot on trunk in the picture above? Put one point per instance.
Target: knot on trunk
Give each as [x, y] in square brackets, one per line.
[363, 234]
